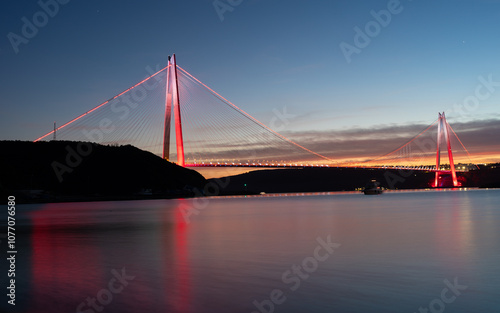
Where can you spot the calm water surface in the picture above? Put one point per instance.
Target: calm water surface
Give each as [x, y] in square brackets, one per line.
[391, 253]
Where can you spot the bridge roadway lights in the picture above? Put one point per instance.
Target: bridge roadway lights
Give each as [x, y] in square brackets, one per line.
[290, 165]
[277, 165]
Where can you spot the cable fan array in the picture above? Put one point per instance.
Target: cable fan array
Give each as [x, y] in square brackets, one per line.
[215, 130]
[133, 117]
[421, 151]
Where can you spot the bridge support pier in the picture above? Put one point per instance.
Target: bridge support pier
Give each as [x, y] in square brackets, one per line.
[172, 102]
[443, 129]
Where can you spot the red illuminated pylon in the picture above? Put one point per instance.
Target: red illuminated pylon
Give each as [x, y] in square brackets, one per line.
[443, 128]
[172, 97]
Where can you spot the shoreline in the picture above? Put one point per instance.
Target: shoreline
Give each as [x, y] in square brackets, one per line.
[72, 199]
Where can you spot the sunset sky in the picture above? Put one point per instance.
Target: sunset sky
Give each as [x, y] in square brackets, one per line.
[342, 71]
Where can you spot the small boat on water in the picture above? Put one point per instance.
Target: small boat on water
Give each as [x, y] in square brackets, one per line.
[373, 188]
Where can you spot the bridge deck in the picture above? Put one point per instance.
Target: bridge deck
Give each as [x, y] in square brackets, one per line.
[305, 165]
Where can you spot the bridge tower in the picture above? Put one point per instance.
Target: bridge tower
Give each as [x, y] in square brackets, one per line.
[443, 130]
[172, 102]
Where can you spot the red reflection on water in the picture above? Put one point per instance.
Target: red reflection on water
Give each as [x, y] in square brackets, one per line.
[59, 262]
[453, 232]
[181, 251]
[179, 287]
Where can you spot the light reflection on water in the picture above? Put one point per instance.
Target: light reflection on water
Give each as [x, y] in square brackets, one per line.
[396, 250]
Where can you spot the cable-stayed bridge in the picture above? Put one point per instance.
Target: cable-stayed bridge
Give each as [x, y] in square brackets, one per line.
[174, 115]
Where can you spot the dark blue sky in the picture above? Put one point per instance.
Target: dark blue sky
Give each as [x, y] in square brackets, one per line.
[263, 56]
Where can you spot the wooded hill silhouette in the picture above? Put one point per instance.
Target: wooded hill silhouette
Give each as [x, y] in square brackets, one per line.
[86, 169]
